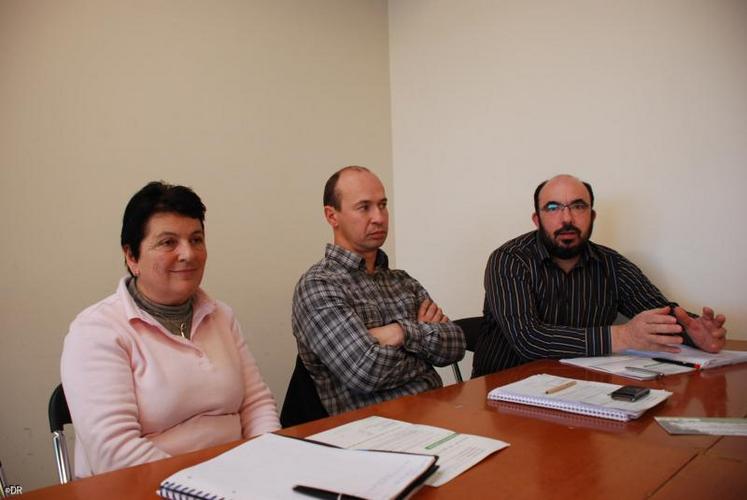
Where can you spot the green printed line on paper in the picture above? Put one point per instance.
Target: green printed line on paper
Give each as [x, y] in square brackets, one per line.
[441, 441]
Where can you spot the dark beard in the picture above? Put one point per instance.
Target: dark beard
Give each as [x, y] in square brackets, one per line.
[561, 252]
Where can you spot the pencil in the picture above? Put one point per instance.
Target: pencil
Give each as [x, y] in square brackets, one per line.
[558, 388]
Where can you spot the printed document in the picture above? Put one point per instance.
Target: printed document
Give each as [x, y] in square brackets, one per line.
[456, 452]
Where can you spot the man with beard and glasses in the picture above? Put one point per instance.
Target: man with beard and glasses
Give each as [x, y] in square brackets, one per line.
[552, 293]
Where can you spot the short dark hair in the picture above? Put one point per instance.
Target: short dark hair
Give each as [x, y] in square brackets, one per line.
[331, 197]
[157, 197]
[542, 184]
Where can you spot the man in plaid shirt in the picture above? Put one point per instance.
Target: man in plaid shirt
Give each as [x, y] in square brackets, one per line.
[365, 332]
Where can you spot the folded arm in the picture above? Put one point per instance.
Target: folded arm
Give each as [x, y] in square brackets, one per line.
[429, 333]
[363, 359]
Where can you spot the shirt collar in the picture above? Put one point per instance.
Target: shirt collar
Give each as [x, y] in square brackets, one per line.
[201, 307]
[352, 260]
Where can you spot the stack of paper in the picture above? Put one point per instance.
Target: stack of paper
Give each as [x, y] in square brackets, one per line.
[647, 365]
[696, 357]
[576, 396]
[630, 366]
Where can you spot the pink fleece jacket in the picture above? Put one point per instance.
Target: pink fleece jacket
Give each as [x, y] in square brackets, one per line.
[138, 393]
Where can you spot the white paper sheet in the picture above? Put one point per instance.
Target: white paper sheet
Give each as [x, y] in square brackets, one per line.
[697, 357]
[709, 426]
[629, 366]
[456, 452]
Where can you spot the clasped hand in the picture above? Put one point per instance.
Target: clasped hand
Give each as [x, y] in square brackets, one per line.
[657, 330]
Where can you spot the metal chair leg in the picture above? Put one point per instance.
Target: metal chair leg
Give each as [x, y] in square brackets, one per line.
[61, 457]
[457, 373]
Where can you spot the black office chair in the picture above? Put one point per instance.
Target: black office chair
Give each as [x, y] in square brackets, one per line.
[471, 328]
[59, 415]
[302, 403]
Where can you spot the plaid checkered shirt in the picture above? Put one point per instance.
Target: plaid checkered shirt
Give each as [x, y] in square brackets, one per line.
[335, 304]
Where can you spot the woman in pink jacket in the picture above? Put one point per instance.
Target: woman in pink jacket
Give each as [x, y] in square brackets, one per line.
[159, 368]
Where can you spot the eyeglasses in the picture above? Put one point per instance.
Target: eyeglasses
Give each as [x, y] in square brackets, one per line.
[576, 208]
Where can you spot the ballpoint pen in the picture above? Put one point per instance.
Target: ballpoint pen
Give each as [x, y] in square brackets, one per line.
[315, 492]
[675, 362]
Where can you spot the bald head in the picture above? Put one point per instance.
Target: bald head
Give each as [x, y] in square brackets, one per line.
[331, 196]
[562, 181]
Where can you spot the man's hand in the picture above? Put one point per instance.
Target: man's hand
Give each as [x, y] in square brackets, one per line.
[429, 312]
[391, 334]
[652, 330]
[707, 332]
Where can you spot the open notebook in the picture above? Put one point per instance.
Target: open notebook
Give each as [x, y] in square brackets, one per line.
[583, 397]
[271, 466]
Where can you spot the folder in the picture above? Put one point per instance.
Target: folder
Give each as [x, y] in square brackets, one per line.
[280, 467]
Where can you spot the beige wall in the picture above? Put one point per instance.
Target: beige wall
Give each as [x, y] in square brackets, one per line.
[645, 99]
[252, 103]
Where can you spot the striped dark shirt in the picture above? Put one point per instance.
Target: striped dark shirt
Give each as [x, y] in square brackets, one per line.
[334, 305]
[534, 310]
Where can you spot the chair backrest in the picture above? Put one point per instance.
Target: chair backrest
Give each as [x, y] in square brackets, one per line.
[302, 403]
[59, 416]
[471, 328]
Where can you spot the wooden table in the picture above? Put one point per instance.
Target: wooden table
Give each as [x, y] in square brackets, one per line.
[552, 454]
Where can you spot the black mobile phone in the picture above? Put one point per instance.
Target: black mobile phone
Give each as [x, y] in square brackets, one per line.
[630, 393]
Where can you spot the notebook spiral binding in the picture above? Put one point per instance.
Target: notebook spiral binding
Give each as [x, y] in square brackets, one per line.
[176, 491]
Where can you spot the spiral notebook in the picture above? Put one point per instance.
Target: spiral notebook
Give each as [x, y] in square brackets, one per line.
[279, 467]
[576, 396]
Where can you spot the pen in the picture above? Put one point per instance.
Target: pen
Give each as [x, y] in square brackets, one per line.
[675, 362]
[644, 370]
[560, 387]
[323, 494]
